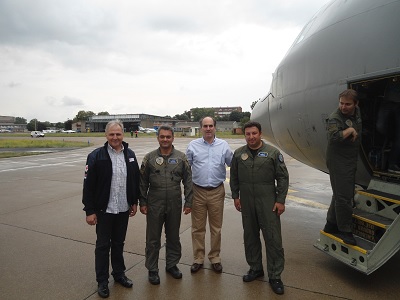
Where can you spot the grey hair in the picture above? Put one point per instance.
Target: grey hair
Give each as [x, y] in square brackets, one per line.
[113, 123]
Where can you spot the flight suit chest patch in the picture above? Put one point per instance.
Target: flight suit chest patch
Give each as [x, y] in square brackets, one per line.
[349, 123]
[244, 156]
[159, 160]
[172, 161]
[262, 154]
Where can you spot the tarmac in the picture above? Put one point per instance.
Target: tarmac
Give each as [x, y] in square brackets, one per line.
[47, 249]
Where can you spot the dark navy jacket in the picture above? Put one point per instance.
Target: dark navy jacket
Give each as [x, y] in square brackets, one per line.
[98, 175]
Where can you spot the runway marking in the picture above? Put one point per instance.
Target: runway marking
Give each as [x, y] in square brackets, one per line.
[307, 202]
[303, 201]
[66, 163]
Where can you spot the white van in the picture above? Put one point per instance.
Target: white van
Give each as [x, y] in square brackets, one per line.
[37, 134]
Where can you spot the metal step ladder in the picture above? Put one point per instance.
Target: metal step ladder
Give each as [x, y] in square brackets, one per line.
[376, 228]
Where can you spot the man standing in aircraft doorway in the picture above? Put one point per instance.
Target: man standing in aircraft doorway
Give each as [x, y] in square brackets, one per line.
[344, 138]
[208, 157]
[110, 197]
[259, 183]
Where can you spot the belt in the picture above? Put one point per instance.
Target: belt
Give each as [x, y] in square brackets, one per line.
[208, 188]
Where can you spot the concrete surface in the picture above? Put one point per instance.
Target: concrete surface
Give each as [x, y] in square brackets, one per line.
[47, 249]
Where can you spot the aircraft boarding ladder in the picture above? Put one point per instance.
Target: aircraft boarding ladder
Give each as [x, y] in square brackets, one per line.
[376, 227]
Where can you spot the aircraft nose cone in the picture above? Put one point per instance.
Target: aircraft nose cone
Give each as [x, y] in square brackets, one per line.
[261, 115]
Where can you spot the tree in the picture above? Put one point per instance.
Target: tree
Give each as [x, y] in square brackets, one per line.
[235, 116]
[244, 120]
[246, 114]
[47, 124]
[34, 124]
[254, 104]
[103, 113]
[60, 125]
[185, 116]
[199, 113]
[20, 120]
[223, 118]
[83, 115]
[68, 125]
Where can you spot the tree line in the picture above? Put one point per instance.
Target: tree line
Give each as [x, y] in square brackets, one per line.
[194, 115]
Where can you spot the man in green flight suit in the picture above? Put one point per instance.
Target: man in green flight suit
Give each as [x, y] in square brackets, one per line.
[259, 183]
[161, 174]
[344, 137]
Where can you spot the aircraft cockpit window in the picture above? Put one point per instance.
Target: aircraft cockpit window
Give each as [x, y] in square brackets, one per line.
[304, 32]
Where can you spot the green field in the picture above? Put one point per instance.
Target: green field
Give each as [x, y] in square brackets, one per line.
[34, 143]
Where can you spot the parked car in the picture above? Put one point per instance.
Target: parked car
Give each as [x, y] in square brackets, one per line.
[37, 134]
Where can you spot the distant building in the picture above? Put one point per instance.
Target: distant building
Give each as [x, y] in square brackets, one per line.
[7, 123]
[187, 128]
[221, 112]
[131, 122]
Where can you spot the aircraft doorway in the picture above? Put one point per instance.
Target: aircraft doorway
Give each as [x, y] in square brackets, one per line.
[380, 110]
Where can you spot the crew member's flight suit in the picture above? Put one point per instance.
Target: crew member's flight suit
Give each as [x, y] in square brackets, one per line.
[260, 181]
[160, 191]
[341, 160]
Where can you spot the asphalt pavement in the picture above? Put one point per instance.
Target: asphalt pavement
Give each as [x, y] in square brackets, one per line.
[47, 249]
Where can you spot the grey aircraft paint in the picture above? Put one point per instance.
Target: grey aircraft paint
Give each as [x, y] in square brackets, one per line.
[346, 44]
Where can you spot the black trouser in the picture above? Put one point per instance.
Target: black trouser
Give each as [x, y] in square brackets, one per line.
[111, 232]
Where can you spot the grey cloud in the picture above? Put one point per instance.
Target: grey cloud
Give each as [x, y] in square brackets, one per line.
[13, 84]
[65, 101]
[174, 24]
[29, 22]
[70, 101]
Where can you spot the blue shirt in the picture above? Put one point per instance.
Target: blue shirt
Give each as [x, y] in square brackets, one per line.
[208, 161]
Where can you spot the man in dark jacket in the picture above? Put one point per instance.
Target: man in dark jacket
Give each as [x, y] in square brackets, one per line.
[259, 183]
[110, 197]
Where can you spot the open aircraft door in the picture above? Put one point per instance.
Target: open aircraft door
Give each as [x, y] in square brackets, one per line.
[376, 219]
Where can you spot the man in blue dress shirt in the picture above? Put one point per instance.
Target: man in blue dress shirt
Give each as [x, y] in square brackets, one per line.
[208, 157]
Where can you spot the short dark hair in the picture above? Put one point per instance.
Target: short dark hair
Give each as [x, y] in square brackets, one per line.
[165, 127]
[201, 121]
[349, 94]
[252, 124]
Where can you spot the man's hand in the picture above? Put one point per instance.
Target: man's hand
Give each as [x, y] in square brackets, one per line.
[143, 209]
[187, 210]
[237, 204]
[91, 219]
[279, 208]
[133, 210]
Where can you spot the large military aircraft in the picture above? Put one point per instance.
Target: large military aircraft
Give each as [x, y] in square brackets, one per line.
[347, 44]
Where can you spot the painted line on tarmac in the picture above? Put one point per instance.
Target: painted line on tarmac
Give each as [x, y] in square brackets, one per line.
[302, 201]
[307, 202]
[67, 163]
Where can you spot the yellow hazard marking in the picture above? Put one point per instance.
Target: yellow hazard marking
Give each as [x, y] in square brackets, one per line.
[357, 248]
[307, 202]
[378, 197]
[371, 221]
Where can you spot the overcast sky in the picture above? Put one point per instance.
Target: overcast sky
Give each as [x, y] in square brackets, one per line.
[158, 57]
